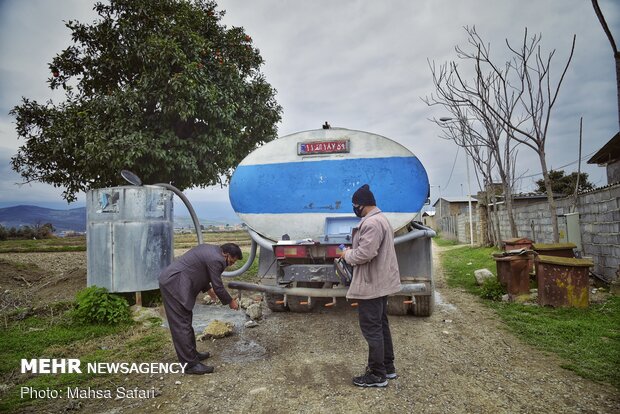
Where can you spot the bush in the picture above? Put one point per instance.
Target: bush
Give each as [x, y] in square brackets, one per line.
[492, 289]
[96, 305]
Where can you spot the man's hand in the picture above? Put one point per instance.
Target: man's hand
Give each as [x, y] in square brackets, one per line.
[234, 305]
[212, 294]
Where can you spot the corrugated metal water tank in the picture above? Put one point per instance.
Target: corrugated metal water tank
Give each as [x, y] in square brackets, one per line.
[129, 237]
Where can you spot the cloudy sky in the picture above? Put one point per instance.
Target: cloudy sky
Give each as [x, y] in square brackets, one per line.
[359, 64]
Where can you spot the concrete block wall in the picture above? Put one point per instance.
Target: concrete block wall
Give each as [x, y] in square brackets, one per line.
[599, 221]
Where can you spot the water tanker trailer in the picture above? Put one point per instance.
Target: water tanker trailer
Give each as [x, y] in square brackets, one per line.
[294, 196]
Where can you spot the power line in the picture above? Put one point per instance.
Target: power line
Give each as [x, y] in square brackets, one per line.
[453, 164]
[562, 166]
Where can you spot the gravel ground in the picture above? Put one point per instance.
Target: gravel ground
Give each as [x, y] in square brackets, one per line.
[459, 360]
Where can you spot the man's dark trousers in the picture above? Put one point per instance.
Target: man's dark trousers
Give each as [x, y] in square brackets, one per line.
[376, 330]
[181, 330]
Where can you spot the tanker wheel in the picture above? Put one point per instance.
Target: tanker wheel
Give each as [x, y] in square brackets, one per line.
[424, 305]
[271, 299]
[295, 302]
[395, 305]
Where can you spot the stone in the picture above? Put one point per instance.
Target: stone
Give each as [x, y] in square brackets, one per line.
[216, 329]
[254, 311]
[244, 303]
[258, 390]
[522, 298]
[483, 274]
[145, 316]
[208, 300]
[251, 324]
[506, 298]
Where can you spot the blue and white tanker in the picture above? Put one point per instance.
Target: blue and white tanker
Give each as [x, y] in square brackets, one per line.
[294, 195]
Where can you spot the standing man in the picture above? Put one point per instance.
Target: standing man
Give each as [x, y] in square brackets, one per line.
[375, 276]
[198, 270]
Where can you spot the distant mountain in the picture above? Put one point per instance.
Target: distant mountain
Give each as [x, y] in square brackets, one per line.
[75, 218]
[63, 220]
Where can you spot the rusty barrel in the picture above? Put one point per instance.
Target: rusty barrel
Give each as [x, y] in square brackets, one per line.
[517, 243]
[513, 271]
[555, 249]
[563, 281]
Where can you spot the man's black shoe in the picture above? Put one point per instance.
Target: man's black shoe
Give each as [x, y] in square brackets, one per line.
[202, 355]
[391, 375]
[370, 380]
[199, 369]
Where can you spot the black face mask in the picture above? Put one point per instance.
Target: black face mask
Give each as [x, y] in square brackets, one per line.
[358, 210]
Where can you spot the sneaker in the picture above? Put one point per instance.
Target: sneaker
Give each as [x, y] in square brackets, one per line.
[391, 375]
[370, 380]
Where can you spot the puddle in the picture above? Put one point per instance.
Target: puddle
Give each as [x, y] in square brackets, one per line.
[443, 304]
[205, 314]
[244, 350]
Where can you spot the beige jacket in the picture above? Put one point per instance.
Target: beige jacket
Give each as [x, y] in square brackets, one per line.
[375, 268]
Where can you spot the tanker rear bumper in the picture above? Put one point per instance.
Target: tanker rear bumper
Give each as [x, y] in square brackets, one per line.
[406, 289]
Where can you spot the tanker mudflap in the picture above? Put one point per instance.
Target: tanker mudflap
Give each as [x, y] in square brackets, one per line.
[282, 302]
[331, 304]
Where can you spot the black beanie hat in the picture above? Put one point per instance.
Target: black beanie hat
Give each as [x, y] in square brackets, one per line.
[364, 197]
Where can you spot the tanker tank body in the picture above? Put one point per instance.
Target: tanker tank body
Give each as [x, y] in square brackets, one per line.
[294, 195]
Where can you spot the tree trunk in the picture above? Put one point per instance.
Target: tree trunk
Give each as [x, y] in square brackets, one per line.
[508, 203]
[617, 56]
[550, 199]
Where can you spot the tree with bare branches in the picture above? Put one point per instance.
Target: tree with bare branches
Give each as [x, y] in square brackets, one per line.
[522, 98]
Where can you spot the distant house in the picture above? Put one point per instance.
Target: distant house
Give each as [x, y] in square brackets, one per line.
[428, 219]
[609, 157]
[452, 218]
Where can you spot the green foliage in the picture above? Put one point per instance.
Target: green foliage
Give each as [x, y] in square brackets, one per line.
[491, 289]
[588, 339]
[54, 244]
[459, 265]
[441, 241]
[160, 87]
[46, 337]
[31, 337]
[96, 305]
[564, 184]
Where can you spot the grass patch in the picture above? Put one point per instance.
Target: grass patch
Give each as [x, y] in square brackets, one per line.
[459, 265]
[31, 337]
[54, 244]
[587, 339]
[78, 243]
[38, 337]
[442, 242]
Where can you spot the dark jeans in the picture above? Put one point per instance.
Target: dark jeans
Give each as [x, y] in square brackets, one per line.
[376, 330]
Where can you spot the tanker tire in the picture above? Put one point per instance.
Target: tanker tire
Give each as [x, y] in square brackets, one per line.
[424, 305]
[271, 299]
[293, 301]
[396, 306]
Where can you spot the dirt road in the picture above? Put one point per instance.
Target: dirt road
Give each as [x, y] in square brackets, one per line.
[460, 360]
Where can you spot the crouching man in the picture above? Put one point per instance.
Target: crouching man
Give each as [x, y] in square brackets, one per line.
[198, 270]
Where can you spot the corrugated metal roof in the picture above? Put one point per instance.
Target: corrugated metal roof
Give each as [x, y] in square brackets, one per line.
[608, 153]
